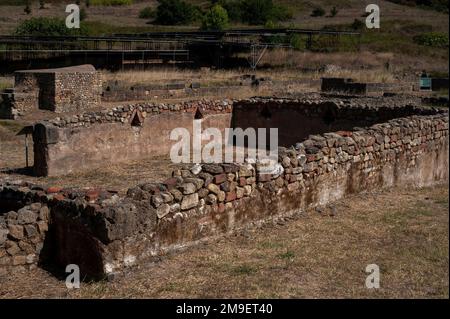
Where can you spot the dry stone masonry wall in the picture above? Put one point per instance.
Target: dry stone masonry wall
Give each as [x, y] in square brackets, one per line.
[105, 233]
[71, 89]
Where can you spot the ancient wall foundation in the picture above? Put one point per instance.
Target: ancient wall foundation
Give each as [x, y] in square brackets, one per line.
[85, 141]
[104, 232]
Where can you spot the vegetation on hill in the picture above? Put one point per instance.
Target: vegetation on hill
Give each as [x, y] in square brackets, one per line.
[43, 26]
[215, 19]
[176, 12]
[438, 5]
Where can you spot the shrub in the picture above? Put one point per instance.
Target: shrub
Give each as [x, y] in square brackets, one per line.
[111, 2]
[147, 13]
[432, 39]
[257, 12]
[234, 9]
[297, 42]
[318, 12]
[357, 24]
[47, 27]
[215, 19]
[281, 13]
[176, 12]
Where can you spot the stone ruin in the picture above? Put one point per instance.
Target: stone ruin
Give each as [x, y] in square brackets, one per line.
[329, 148]
[70, 89]
[350, 86]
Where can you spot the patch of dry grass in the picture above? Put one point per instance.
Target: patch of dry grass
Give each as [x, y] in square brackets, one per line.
[376, 73]
[403, 231]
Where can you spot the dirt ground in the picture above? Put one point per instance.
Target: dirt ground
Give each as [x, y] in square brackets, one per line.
[317, 255]
[116, 177]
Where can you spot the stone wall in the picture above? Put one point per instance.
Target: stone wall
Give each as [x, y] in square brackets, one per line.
[71, 89]
[104, 234]
[100, 138]
[85, 141]
[23, 229]
[374, 89]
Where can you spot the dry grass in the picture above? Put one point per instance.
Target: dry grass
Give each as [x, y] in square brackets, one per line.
[404, 231]
[231, 77]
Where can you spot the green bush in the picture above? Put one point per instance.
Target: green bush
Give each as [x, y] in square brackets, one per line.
[432, 39]
[176, 12]
[318, 12]
[233, 8]
[47, 27]
[147, 13]
[258, 12]
[110, 2]
[297, 42]
[215, 19]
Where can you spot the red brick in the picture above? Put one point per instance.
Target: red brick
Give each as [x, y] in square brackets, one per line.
[171, 182]
[92, 195]
[230, 196]
[218, 179]
[58, 197]
[310, 157]
[53, 189]
[344, 133]
[242, 181]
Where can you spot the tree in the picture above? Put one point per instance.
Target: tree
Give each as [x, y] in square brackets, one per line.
[256, 11]
[175, 12]
[215, 19]
[41, 4]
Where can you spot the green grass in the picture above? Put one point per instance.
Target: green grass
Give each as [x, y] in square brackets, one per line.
[244, 270]
[287, 255]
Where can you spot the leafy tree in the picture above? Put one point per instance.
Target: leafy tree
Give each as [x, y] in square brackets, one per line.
[176, 12]
[147, 13]
[215, 19]
[233, 7]
[260, 11]
[256, 11]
